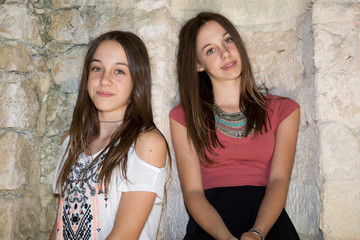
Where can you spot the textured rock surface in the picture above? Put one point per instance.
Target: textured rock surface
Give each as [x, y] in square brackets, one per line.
[302, 49]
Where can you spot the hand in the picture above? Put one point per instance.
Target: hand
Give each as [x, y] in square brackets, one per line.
[249, 236]
[232, 238]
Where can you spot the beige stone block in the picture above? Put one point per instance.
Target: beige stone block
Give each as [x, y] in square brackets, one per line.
[16, 57]
[163, 58]
[68, 26]
[7, 219]
[12, 175]
[25, 28]
[281, 70]
[341, 210]
[61, 4]
[113, 6]
[148, 6]
[339, 98]
[244, 12]
[18, 103]
[325, 12]
[339, 152]
[110, 21]
[303, 206]
[68, 66]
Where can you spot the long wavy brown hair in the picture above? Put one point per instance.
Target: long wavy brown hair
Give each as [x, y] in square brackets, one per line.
[138, 117]
[196, 91]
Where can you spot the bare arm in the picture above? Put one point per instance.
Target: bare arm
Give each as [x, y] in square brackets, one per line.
[280, 174]
[188, 166]
[135, 207]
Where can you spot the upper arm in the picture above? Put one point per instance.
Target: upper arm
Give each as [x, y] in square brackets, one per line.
[187, 162]
[151, 147]
[285, 147]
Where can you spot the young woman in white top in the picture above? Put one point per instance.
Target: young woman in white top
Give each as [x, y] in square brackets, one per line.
[112, 168]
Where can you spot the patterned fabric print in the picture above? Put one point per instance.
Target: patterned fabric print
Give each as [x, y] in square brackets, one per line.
[79, 206]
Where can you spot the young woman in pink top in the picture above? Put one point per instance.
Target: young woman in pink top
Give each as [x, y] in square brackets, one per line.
[234, 145]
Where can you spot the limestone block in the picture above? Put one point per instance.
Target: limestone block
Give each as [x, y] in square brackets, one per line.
[50, 147]
[68, 26]
[27, 218]
[159, 32]
[68, 66]
[61, 4]
[149, 6]
[247, 12]
[42, 74]
[16, 57]
[12, 175]
[59, 109]
[334, 101]
[336, 38]
[306, 166]
[25, 28]
[341, 212]
[112, 20]
[339, 152]
[18, 103]
[7, 219]
[324, 12]
[278, 70]
[113, 6]
[303, 206]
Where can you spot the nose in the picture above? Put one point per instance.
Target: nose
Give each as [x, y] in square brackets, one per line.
[225, 52]
[106, 78]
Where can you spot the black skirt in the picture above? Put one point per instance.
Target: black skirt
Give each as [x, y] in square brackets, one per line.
[238, 207]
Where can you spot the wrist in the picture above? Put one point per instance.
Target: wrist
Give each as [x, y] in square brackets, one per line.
[257, 232]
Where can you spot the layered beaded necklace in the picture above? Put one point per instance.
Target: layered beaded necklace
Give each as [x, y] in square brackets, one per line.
[231, 123]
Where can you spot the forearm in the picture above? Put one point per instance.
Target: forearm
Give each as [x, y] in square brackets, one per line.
[206, 216]
[272, 205]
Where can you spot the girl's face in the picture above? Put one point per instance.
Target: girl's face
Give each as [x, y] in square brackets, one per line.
[217, 53]
[109, 81]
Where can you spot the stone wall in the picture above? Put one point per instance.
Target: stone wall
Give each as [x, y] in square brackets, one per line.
[336, 27]
[308, 51]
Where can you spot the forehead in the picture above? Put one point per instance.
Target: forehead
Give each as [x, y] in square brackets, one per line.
[210, 31]
[110, 50]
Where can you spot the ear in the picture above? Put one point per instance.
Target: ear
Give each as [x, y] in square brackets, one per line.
[199, 67]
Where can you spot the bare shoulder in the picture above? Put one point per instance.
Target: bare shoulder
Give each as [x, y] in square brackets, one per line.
[151, 147]
[66, 134]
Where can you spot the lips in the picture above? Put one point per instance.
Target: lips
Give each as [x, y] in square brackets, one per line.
[229, 66]
[104, 94]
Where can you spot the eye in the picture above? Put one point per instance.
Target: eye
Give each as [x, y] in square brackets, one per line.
[228, 40]
[119, 71]
[96, 69]
[210, 51]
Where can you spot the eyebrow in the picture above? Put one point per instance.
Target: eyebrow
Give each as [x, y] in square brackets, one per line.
[210, 43]
[117, 63]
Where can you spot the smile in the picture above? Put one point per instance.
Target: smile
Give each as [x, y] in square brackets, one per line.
[104, 94]
[229, 66]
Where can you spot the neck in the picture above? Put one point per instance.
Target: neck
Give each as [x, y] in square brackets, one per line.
[227, 95]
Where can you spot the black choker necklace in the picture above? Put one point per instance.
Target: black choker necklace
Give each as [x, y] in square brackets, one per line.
[115, 125]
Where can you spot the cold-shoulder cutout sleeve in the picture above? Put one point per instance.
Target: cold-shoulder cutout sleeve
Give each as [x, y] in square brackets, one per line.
[143, 176]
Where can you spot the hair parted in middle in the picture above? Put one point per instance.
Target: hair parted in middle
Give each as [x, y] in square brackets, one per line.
[196, 91]
[138, 116]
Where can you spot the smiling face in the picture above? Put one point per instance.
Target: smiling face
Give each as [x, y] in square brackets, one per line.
[217, 53]
[109, 82]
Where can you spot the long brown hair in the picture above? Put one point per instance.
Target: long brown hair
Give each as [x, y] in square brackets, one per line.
[138, 117]
[196, 91]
